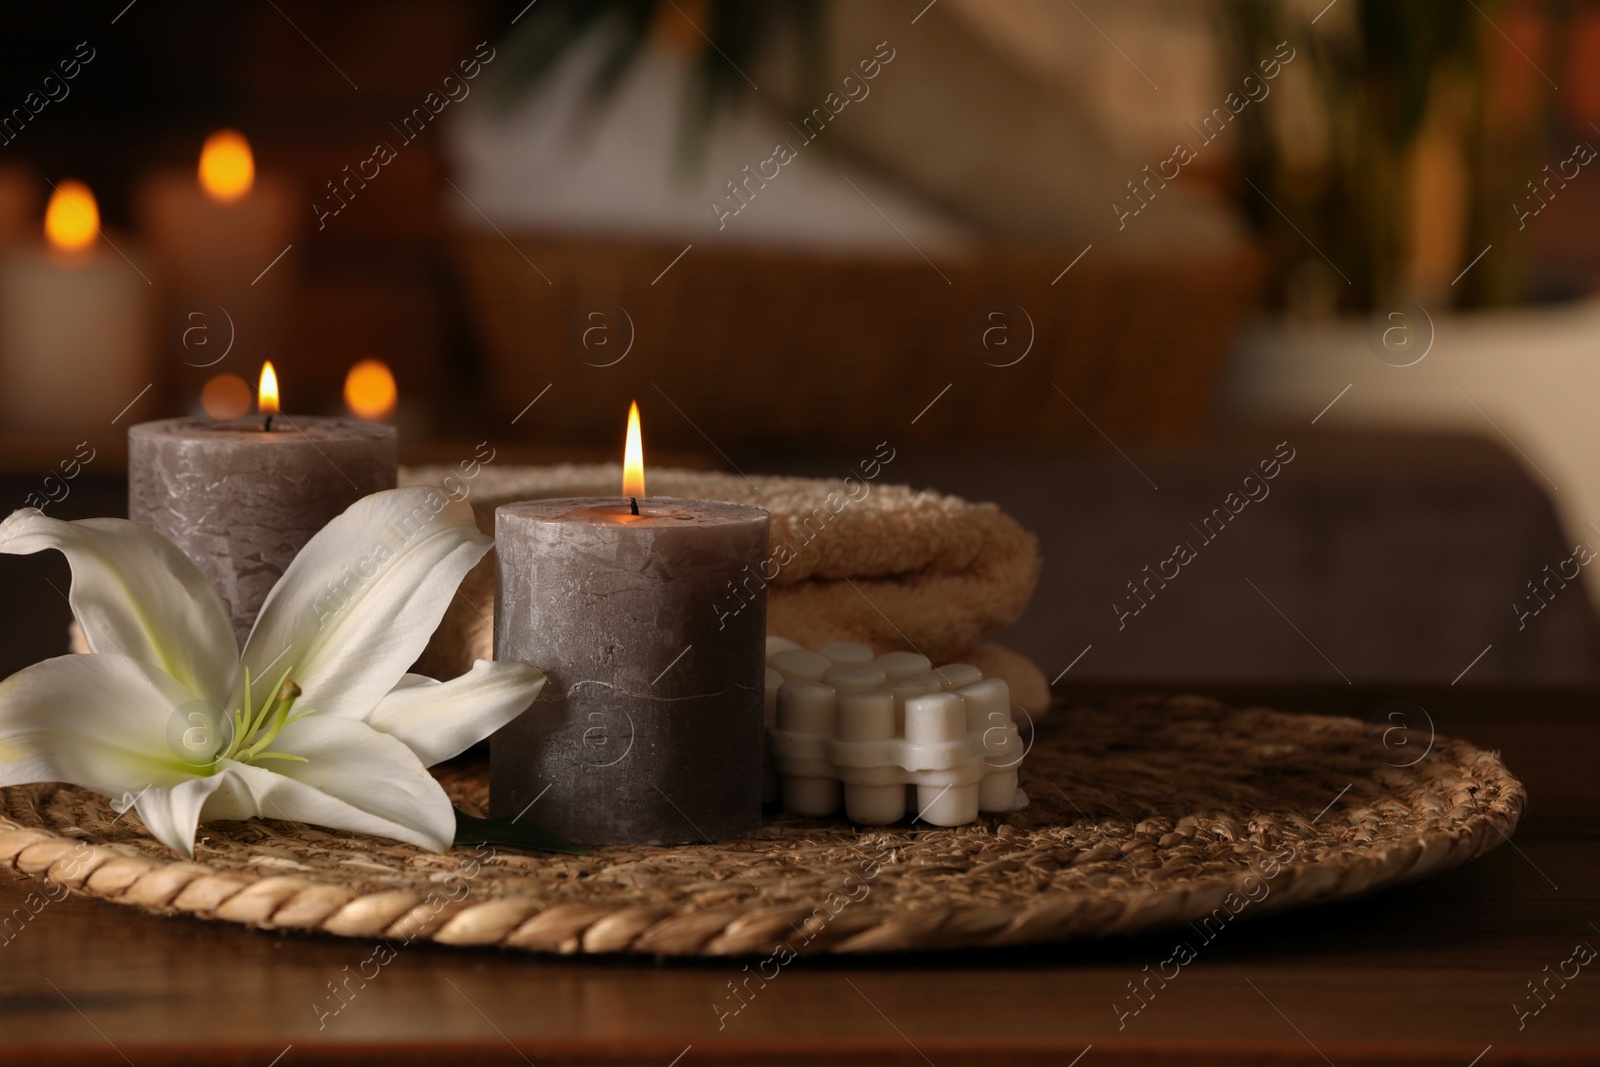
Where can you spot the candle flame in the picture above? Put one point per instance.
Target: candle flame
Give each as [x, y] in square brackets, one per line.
[633, 457]
[72, 220]
[227, 169]
[369, 389]
[267, 395]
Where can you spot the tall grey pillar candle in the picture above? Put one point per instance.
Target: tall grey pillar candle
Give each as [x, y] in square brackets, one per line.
[241, 500]
[649, 730]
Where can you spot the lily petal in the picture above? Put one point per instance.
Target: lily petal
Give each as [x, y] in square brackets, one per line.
[353, 778]
[95, 721]
[171, 815]
[136, 594]
[358, 603]
[437, 720]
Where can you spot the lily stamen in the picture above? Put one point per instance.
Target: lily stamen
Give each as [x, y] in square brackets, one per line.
[255, 727]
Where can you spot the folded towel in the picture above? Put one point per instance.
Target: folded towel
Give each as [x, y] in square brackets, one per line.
[852, 560]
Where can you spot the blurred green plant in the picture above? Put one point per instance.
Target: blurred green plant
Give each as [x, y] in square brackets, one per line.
[733, 33]
[1383, 73]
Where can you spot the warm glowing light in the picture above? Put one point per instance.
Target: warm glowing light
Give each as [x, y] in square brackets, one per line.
[633, 457]
[227, 169]
[72, 221]
[369, 389]
[227, 396]
[267, 395]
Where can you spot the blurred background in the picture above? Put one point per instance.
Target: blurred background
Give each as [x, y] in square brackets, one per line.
[1101, 262]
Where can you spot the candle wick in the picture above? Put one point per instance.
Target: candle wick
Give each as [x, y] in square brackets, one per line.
[634, 503]
[268, 426]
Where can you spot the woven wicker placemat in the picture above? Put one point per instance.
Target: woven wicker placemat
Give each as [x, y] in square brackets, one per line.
[1144, 814]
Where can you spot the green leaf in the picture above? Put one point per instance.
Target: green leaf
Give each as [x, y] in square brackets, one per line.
[511, 833]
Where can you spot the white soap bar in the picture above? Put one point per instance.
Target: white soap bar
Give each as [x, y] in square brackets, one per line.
[953, 676]
[875, 805]
[890, 738]
[780, 644]
[800, 665]
[842, 652]
[813, 797]
[901, 664]
[935, 717]
[805, 708]
[988, 703]
[854, 677]
[865, 716]
[906, 688]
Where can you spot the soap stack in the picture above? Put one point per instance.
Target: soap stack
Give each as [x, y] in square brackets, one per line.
[888, 736]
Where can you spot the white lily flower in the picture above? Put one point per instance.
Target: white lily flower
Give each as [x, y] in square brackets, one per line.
[317, 720]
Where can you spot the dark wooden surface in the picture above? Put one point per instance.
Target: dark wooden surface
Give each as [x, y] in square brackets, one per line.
[1422, 974]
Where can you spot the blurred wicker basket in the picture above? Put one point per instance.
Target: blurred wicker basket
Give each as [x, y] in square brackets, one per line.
[782, 345]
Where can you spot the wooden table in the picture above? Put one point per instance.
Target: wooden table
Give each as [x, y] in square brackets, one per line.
[1423, 974]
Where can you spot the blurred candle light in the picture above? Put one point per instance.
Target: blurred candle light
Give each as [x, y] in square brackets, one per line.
[369, 390]
[225, 396]
[227, 167]
[73, 322]
[72, 219]
[220, 229]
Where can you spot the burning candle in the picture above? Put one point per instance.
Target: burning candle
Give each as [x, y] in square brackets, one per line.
[650, 728]
[217, 232]
[73, 323]
[242, 496]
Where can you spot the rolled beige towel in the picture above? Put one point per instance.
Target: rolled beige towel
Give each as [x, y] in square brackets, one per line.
[855, 560]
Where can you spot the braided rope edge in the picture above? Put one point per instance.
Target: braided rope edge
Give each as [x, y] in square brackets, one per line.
[529, 924]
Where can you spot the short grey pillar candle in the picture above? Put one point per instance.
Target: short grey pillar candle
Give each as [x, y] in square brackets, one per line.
[241, 500]
[649, 730]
